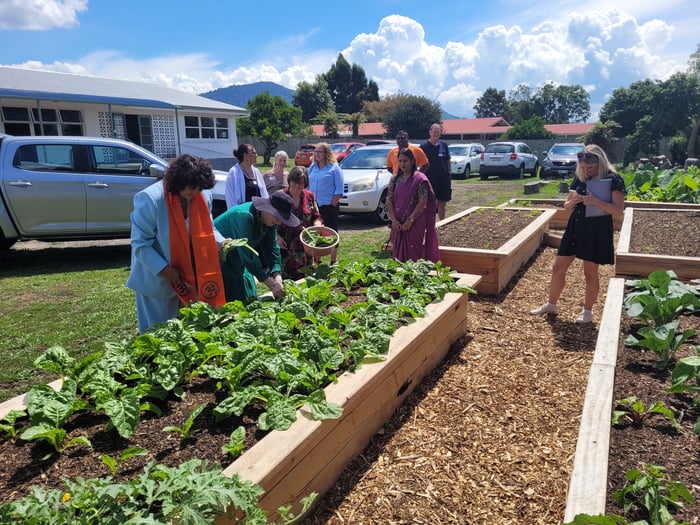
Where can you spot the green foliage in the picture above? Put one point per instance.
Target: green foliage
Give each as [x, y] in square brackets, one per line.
[492, 103]
[533, 128]
[190, 494]
[271, 120]
[236, 443]
[608, 519]
[660, 298]
[8, 423]
[313, 99]
[663, 340]
[650, 489]
[633, 410]
[412, 113]
[648, 183]
[187, 429]
[685, 378]
[602, 133]
[114, 464]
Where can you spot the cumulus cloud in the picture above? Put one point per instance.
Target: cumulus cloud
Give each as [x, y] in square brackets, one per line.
[600, 49]
[40, 15]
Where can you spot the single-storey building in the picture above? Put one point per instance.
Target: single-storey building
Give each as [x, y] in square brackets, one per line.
[463, 130]
[166, 121]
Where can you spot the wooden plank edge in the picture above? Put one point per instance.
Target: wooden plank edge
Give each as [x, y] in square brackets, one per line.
[588, 485]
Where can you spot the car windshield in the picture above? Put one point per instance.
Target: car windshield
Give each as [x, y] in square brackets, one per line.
[565, 150]
[500, 148]
[365, 158]
[458, 150]
[338, 148]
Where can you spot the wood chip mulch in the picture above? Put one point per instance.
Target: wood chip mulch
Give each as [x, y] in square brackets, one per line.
[489, 436]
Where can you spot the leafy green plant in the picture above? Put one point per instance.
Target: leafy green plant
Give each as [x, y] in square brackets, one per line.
[114, 464]
[648, 183]
[633, 410]
[190, 494]
[187, 429]
[660, 298]
[48, 412]
[317, 239]
[230, 244]
[236, 443]
[686, 378]
[608, 519]
[663, 340]
[9, 422]
[649, 487]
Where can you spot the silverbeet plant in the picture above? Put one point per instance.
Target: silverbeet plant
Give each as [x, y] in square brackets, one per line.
[633, 410]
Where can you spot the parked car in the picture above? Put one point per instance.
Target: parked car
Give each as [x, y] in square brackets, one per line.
[304, 155]
[465, 159]
[343, 149]
[366, 182]
[75, 187]
[377, 142]
[508, 159]
[560, 160]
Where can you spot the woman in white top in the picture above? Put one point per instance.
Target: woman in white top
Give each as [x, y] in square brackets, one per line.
[276, 178]
[244, 180]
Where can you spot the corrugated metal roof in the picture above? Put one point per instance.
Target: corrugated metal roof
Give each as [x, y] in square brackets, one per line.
[32, 84]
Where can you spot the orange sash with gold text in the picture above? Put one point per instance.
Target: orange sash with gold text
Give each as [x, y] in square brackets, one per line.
[207, 285]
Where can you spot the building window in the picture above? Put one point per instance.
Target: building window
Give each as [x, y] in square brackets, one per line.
[22, 121]
[206, 128]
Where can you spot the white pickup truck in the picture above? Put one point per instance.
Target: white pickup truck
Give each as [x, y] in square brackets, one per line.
[75, 188]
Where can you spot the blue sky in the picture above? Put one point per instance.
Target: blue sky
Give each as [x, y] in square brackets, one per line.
[449, 51]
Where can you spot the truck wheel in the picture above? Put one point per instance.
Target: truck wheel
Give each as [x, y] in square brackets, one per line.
[4, 243]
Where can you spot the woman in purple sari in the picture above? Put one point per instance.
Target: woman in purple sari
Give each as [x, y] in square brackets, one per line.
[412, 206]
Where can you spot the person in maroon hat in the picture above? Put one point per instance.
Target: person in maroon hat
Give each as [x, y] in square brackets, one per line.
[257, 222]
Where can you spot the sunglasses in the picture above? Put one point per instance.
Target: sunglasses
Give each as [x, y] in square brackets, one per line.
[586, 156]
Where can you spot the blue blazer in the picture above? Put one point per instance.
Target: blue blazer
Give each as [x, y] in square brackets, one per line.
[150, 241]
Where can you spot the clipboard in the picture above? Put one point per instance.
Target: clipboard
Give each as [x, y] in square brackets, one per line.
[602, 190]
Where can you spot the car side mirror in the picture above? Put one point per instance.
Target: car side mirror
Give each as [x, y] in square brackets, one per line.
[157, 171]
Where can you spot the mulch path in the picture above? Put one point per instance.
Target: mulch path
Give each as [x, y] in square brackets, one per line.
[488, 437]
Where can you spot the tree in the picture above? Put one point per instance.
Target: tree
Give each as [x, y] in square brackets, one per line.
[492, 103]
[532, 128]
[270, 120]
[412, 113]
[521, 106]
[627, 106]
[694, 70]
[355, 119]
[562, 104]
[349, 87]
[602, 133]
[313, 98]
[331, 122]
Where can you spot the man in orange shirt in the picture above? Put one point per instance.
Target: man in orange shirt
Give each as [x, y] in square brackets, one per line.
[401, 143]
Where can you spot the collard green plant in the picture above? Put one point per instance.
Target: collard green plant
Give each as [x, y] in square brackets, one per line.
[660, 298]
[649, 488]
[663, 340]
[8, 424]
[685, 378]
[187, 429]
[648, 183]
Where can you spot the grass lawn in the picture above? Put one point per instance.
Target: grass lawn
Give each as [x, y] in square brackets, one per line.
[73, 294]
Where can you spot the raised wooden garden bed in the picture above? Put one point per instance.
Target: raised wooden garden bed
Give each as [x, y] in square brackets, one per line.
[496, 266]
[628, 263]
[310, 455]
[588, 486]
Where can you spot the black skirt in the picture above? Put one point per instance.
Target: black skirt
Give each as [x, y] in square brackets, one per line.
[588, 238]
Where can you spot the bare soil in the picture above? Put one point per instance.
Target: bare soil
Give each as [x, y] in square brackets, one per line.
[488, 437]
[490, 228]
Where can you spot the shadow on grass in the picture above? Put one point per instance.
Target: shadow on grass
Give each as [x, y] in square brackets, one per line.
[64, 258]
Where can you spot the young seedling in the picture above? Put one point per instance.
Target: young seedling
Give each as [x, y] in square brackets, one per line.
[187, 429]
[632, 409]
[236, 442]
[115, 464]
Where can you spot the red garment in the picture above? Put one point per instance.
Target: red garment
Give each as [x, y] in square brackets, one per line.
[198, 245]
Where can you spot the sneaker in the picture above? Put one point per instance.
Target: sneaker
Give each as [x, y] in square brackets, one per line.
[546, 308]
[585, 317]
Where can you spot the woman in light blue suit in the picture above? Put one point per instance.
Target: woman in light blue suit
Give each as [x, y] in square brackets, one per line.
[155, 278]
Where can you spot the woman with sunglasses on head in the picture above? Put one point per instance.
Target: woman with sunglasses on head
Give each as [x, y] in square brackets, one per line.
[589, 232]
[244, 180]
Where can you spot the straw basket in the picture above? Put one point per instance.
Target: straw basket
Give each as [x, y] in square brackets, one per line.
[318, 251]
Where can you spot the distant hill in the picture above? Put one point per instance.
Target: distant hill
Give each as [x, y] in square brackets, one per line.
[241, 94]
